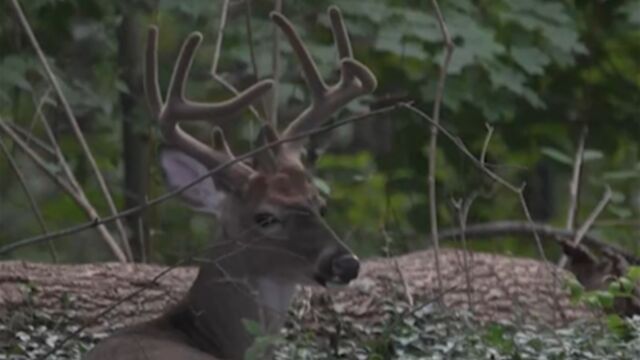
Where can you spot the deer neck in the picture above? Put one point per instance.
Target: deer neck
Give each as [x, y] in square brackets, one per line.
[225, 294]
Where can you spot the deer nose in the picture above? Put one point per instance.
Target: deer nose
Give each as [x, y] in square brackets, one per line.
[346, 268]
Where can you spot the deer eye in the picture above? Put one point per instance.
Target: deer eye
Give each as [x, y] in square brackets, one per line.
[265, 220]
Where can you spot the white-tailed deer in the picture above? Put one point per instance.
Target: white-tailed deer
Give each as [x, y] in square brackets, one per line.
[271, 232]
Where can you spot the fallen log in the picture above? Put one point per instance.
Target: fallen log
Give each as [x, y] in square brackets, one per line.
[107, 296]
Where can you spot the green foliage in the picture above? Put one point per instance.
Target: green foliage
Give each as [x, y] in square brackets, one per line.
[618, 289]
[435, 333]
[537, 70]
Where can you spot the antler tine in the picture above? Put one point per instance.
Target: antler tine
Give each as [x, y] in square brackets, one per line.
[356, 79]
[219, 143]
[309, 68]
[177, 108]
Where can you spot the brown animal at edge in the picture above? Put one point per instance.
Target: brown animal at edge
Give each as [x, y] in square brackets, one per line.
[272, 235]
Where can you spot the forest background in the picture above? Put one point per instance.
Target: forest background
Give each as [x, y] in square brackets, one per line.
[543, 77]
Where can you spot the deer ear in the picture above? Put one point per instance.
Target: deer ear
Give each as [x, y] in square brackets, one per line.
[181, 169]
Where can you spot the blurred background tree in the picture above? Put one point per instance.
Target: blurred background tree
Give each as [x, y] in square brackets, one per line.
[536, 71]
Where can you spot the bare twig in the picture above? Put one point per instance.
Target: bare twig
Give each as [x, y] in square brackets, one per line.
[30, 138]
[100, 221]
[405, 285]
[221, 27]
[235, 91]
[515, 228]
[582, 231]
[216, 57]
[273, 114]
[252, 54]
[485, 145]
[78, 197]
[433, 143]
[462, 147]
[32, 201]
[574, 185]
[462, 207]
[70, 116]
[39, 107]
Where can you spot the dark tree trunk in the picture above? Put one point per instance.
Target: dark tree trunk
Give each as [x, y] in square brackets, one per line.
[134, 130]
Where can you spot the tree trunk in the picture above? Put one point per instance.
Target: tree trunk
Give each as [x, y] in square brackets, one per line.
[134, 128]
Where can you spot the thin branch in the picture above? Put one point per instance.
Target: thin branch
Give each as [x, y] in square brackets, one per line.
[39, 107]
[216, 57]
[30, 138]
[273, 114]
[100, 221]
[73, 181]
[405, 284]
[574, 185]
[252, 51]
[433, 142]
[252, 54]
[462, 147]
[32, 201]
[517, 228]
[78, 197]
[485, 145]
[70, 116]
[462, 209]
[221, 27]
[235, 91]
[582, 231]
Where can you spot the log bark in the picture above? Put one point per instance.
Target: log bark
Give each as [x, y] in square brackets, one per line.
[492, 287]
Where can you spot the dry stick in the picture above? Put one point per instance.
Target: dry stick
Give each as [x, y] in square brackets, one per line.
[433, 142]
[252, 54]
[67, 187]
[485, 145]
[216, 58]
[73, 182]
[462, 208]
[273, 115]
[462, 147]
[30, 138]
[405, 284]
[235, 91]
[39, 106]
[32, 200]
[99, 221]
[515, 228]
[543, 255]
[574, 186]
[582, 231]
[221, 27]
[70, 116]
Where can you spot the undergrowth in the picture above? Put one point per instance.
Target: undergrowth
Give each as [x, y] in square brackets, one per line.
[426, 332]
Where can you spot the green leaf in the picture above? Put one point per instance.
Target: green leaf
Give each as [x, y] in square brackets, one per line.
[253, 327]
[633, 273]
[591, 155]
[557, 155]
[530, 59]
[605, 299]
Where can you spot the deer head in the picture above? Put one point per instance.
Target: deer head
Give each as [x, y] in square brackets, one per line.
[272, 203]
[270, 213]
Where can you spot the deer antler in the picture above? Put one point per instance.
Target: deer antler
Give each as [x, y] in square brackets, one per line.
[177, 108]
[355, 80]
